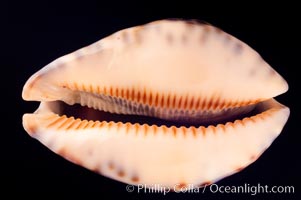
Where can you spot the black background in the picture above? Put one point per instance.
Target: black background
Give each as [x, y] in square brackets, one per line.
[40, 32]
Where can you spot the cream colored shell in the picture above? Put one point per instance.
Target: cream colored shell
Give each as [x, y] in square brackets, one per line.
[165, 65]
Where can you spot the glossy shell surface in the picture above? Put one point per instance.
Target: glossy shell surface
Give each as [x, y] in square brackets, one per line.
[177, 71]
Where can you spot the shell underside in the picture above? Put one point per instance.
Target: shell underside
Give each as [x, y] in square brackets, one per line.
[169, 70]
